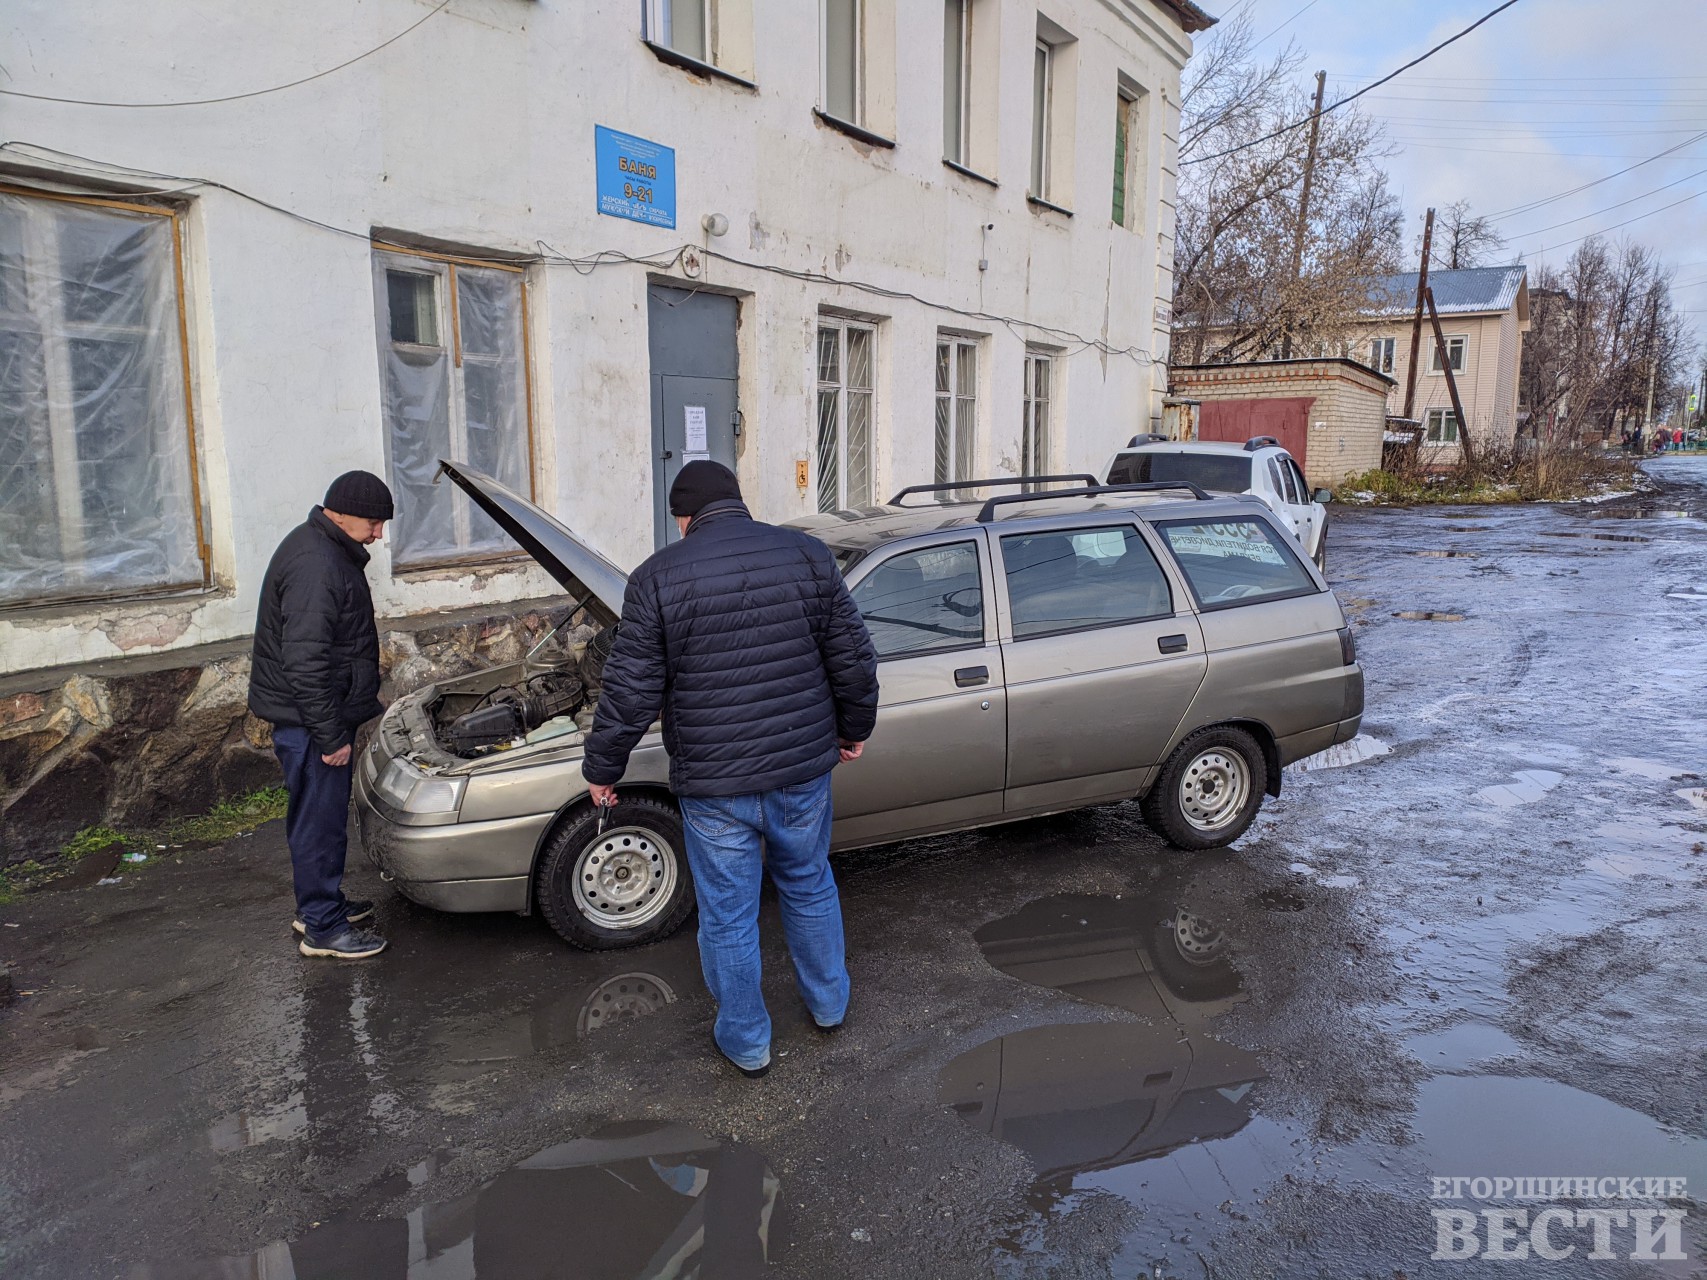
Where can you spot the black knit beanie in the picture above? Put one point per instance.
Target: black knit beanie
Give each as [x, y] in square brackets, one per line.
[699, 484]
[361, 494]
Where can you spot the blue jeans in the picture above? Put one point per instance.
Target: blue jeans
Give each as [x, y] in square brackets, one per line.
[732, 841]
[316, 828]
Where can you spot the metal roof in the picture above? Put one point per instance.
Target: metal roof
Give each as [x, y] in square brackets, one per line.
[1188, 14]
[1465, 291]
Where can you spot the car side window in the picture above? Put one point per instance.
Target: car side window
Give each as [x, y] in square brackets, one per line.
[923, 601]
[1125, 469]
[1298, 479]
[1235, 562]
[1276, 479]
[1073, 579]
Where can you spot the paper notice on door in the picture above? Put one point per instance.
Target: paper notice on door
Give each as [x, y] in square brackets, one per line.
[695, 422]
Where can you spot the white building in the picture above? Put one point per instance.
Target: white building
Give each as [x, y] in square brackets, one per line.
[906, 241]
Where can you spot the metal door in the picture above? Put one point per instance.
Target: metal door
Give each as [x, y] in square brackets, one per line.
[1286, 418]
[695, 404]
[938, 755]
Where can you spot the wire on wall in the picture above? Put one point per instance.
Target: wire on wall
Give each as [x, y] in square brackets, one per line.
[586, 264]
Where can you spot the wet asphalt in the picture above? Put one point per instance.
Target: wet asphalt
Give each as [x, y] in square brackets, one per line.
[1470, 943]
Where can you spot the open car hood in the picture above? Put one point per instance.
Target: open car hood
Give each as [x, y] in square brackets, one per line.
[586, 575]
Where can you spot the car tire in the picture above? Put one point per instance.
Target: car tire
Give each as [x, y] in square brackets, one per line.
[1209, 790]
[1192, 958]
[629, 886]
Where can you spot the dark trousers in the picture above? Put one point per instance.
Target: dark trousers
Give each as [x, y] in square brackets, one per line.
[316, 828]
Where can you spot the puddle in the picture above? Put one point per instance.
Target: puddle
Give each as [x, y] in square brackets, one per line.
[635, 1199]
[1361, 748]
[242, 1129]
[1466, 528]
[1686, 595]
[1694, 797]
[1447, 555]
[1428, 615]
[623, 998]
[1639, 513]
[1462, 1045]
[1644, 768]
[1526, 787]
[1598, 537]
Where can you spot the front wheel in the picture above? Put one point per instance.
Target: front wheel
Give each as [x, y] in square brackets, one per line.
[1209, 790]
[626, 886]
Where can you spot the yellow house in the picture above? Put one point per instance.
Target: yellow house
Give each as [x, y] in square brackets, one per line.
[1484, 313]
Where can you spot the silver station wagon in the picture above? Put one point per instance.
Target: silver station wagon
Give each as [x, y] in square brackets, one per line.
[1040, 651]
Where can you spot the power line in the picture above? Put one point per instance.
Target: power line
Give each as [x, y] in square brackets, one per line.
[1609, 208]
[1298, 124]
[232, 97]
[1311, 5]
[1565, 244]
[1546, 200]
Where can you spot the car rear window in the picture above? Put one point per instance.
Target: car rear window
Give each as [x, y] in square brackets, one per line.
[1234, 562]
[1226, 473]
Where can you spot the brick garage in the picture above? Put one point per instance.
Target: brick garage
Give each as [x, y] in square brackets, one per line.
[1329, 414]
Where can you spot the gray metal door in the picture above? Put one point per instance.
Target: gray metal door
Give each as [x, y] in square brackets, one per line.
[694, 391]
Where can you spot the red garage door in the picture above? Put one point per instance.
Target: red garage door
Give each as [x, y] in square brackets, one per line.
[1287, 420]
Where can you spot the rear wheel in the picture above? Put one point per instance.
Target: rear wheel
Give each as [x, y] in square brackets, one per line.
[620, 888]
[1209, 790]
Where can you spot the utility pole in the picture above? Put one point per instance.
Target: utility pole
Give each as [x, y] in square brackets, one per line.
[1465, 447]
[1304, 200]
[1417, 323]
[1653, 363]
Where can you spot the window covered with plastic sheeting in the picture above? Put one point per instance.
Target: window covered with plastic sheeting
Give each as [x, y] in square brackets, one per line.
[453, 363]
[97, 492]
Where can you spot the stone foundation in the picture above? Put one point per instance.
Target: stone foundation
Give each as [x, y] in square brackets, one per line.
[138, 742]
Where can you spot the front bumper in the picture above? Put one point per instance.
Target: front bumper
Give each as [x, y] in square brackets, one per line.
[459, 866]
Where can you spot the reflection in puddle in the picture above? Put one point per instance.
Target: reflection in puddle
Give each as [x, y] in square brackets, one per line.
[1428, 615]
[1448, 555]
[1638, 513]
[1361, 748]
[634, 1200]
[243, 1129]
[1598, 537]
[1124, 1107]
[1694, 797]
[1462, 1045]
[1643, 768]
[1526, 787]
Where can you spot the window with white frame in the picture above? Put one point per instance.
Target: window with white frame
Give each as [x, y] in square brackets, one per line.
[840, 24]
[1034, 420]
[1042, 93]
[1381, 355]
[1441, 427]
[956, 80]
[453, 361]
[956, 406]
[847, 360]
[98, 488]
[1455, 344]
[682, 25]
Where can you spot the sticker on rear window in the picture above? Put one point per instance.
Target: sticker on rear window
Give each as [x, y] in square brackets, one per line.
[1242, 539]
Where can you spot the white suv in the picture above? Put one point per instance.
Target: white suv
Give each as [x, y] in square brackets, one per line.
[1259, 467]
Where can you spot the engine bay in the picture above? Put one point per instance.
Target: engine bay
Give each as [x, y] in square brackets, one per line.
[545, 705]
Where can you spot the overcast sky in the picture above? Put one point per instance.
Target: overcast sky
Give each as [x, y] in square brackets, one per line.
[1548, 95]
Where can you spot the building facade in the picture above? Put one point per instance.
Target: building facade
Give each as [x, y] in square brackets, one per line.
[1484, 315]
[843, 245]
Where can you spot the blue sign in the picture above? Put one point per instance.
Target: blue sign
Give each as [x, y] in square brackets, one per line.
[637, 178]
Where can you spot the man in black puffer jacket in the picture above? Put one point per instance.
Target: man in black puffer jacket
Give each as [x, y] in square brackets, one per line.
[745, 637]
[315, 675]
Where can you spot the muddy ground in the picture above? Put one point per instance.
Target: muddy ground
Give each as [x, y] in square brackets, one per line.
[1472, 945]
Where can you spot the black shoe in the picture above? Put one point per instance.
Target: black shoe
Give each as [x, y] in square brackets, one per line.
[834, 1026]
[355, 911]
[752, 1073]
[347, 944]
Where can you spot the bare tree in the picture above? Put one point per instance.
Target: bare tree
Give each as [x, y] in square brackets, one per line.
[1235, 293]
[1462, 239]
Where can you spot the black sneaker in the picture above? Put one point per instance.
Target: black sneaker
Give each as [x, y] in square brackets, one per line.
[348, 944]
[355, 911]
[752, 1073]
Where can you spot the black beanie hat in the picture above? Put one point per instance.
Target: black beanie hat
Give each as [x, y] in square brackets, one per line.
[361, 494]
[701, 483]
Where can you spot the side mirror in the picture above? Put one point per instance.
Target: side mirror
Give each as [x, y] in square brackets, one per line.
[1322, 495]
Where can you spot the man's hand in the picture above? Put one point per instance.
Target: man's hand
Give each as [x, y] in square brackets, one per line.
[339, 758]
[851, 750]
[602, 795]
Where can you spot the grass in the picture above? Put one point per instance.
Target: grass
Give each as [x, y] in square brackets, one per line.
[225, 820]
[1556, 474]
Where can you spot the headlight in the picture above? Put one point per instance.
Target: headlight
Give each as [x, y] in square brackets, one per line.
[407, 788]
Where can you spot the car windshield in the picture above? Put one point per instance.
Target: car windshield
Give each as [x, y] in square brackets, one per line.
[1227, 473]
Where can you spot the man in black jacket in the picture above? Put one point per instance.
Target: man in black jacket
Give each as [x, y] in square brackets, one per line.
[315, 675]
[745, 637]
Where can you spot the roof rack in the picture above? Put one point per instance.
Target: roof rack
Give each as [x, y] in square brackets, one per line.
[1260, 442]
[979, 484]
[1146, 437]
[988, 512]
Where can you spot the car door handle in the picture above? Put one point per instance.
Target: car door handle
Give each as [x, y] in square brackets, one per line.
[1173, 644]
[966, 677]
